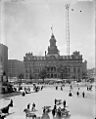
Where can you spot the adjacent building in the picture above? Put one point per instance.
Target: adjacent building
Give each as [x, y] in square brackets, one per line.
[3, 59]
[3, 67]
[15, 68]
[56, 65]
[91, 73]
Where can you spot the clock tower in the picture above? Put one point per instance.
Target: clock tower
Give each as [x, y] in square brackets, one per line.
[52, 49]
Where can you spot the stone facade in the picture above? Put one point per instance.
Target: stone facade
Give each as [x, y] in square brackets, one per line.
[56, 66]
[4, 59]
[3, 67]
[15, 68]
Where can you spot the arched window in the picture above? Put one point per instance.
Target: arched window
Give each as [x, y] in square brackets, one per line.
[51, 75]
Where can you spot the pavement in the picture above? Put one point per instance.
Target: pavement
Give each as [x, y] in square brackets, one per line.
[79, 107]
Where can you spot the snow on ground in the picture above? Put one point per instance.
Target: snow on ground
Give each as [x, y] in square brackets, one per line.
[79, 107]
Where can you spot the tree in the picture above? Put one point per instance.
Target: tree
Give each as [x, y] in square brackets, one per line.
[63, 72]
[21, 76]
[43, 74]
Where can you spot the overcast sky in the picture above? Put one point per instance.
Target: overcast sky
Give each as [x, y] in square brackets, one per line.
[28, 27]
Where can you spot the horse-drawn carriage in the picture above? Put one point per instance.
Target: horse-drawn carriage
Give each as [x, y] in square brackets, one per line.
[32, 114]
[58, 102]
[61, 113]
[65, 113]
[5, 110]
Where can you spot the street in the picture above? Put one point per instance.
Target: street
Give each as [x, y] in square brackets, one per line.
[79, 107]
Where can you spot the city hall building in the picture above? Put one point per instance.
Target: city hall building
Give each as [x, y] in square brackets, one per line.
[56, 65]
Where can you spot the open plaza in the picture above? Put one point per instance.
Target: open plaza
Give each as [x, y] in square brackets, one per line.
[79, 107]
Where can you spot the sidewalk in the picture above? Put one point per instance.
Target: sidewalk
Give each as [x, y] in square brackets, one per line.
[9, 94]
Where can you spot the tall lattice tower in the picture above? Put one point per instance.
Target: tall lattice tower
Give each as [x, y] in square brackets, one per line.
[67, 28]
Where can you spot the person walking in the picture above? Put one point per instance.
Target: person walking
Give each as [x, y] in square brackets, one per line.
[70, 93]
[77, 93]
[61, 88]
[28, 106]
[56, 87]
[41, 87]
[55, 101]
[55, 107]
[33, 106]
[44, 110]
[64, 103]
[59, 112]
[53, 112]
[11, 102]
[83, 94]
